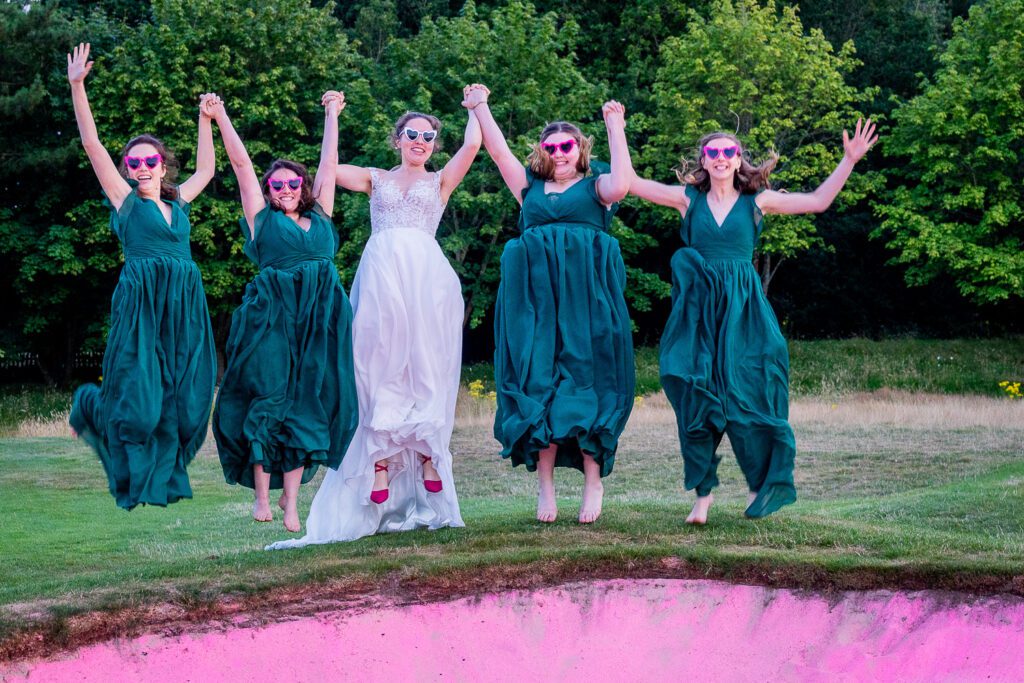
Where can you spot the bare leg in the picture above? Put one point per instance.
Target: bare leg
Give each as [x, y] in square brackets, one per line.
[261, 508]
[593, 490]
[547, 508]
[292, 480]
[429, 472]
[282, 502]
[699, 513]
[380, 476]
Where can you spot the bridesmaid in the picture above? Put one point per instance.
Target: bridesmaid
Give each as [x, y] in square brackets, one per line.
[724, 362]
[563, 361]
[150, 416]
[287, 402]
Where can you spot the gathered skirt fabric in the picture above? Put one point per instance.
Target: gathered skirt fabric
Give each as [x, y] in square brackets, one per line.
[725, 370]
[407, 334]
[287, 398]
[563, 361]
[150, 415]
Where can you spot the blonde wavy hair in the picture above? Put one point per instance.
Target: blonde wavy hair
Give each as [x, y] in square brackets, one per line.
[540, 162]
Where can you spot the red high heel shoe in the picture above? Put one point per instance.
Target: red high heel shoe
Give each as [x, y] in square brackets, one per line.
[379, 497]
[430, 485]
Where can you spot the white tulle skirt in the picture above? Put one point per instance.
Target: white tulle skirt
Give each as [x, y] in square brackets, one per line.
[407, 345]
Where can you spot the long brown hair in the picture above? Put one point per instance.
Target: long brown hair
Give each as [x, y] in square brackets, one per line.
[540, 162]
[748, 177]
[306, 201]
[168, 188]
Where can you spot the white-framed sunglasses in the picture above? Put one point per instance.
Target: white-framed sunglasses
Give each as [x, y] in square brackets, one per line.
[412, 134]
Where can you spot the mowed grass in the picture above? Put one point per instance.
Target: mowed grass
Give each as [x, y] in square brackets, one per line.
[834, 367]
[889, 489]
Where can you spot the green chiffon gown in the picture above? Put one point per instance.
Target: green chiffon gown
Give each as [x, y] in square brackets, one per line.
[563, 361]
[288, 395]
[150, 415]
[724, 362]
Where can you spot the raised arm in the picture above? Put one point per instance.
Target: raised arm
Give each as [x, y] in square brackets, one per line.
[205, 162]
[458, 166]
[114, 186]
[613, 187]
[512, 171]
[660, 193]
[248, 184]
[855, 148]
[327, 171]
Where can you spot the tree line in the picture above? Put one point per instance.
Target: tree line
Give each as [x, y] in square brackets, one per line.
[926, 238]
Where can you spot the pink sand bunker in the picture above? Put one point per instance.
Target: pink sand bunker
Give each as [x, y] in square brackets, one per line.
[652, 630]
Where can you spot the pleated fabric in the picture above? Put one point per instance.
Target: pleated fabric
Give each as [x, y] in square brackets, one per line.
[724, 361]
[407, 334]
[287, 398]
[149, 416]
[563, 361]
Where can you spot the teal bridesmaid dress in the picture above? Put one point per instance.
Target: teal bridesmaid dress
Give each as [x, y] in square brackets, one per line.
[724, 362]
[563, 361]
[150, 415]
[288, 395]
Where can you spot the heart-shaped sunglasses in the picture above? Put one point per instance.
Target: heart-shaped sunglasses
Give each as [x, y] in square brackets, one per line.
[278, 185]
[727, 152]
[566, 146]
[152, 161]
[412, 134]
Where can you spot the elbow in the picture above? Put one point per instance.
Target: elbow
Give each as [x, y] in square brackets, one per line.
[616, 190]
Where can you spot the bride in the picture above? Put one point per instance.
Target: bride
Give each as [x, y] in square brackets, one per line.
[407, 346]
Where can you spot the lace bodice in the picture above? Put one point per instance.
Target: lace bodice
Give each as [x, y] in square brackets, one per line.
[419, 208]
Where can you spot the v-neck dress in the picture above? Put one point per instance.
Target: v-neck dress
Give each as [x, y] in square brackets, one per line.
[150, 415]
[288, 396]
[724, 361]
[563, 361]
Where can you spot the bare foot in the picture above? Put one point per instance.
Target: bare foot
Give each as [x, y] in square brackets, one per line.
[291, 520]
[751, 497]
[282, 502]
[261, 511]
[699, 513]
[590, 508]
[547, 508]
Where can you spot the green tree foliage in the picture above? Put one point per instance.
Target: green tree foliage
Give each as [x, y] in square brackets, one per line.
[957, 206]
[49, 303]
[751, 69]
[527, 59]
[270, 62]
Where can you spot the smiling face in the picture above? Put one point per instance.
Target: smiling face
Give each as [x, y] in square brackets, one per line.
[148, 178]
[565, 163]
[416, 152]
[721, 168]
[287, 198]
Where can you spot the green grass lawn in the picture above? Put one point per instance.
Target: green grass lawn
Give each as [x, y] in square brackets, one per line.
[880, 505]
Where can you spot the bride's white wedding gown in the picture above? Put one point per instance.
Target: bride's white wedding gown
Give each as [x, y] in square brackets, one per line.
[407, 345]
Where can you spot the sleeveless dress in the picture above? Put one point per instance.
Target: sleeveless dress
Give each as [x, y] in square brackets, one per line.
[407, 335]
[724, 362]
[150, 416]
[563, 361]
[287, 398]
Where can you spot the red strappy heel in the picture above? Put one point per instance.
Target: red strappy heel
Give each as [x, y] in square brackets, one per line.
[430, 485]
[379, 497]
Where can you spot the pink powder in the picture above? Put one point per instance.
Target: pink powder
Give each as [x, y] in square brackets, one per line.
[604, 631]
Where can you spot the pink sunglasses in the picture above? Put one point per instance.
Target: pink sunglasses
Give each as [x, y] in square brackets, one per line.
[278, 185]
[152, 161]
[566, 146]
[728, 152]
